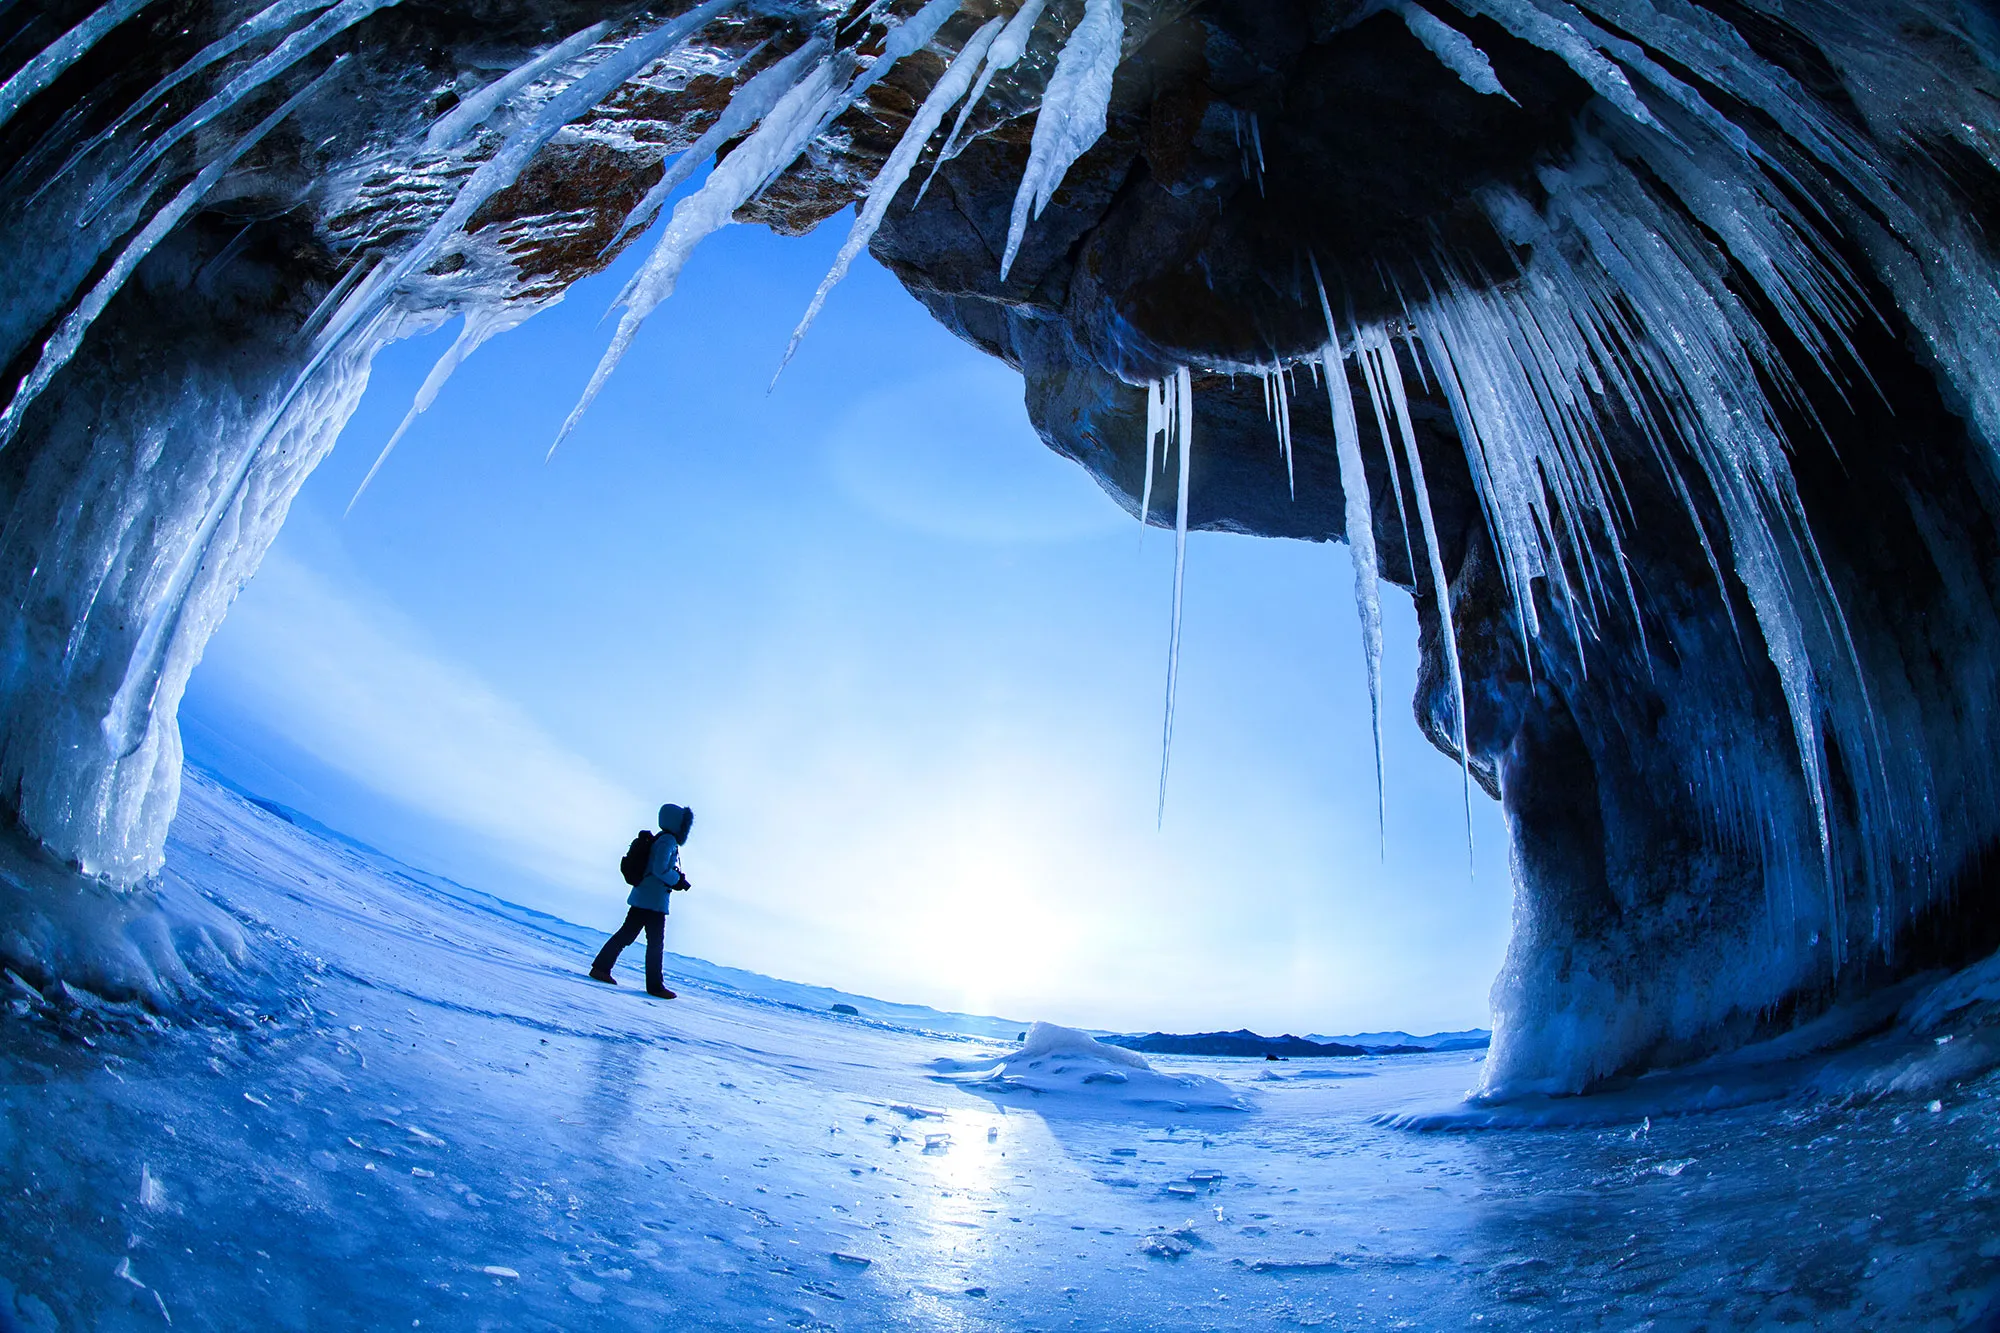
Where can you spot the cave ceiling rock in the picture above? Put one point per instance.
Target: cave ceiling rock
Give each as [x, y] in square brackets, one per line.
[1653, 346]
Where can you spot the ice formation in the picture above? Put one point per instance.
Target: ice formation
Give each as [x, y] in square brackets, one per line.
[1677, 327]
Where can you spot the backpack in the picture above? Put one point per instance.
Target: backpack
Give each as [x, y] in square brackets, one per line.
[632, 865]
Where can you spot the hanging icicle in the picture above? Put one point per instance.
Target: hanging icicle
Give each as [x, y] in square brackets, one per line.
[882, 190]
[1072, 115]
[1180, 438]
[1360, 512]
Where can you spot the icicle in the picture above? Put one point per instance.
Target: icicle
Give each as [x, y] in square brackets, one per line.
[1532, 25]
[944, 94]
[68, 337]
[748, 105]
[1073, 113]
[474, 111]
[1156, 422]
[480, 325]
[1453, 49]
[1180, 417]
[1251, 167]
[46, 67]
[500, 171]
[1278, 411]
[1361, 544]
[910, 36]
[1376, 355]
[773, 147]
[1006, 52]
[282, 57]
[277, 16]
[1440, 586]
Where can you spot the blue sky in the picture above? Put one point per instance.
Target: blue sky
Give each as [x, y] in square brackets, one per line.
[906, 664]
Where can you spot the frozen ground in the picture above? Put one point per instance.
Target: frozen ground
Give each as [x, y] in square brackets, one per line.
[432, 1119]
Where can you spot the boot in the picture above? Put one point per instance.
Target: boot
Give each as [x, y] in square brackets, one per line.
[659, 991]
[601, 974]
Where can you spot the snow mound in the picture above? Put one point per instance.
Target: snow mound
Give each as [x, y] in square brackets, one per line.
[1056, 1059]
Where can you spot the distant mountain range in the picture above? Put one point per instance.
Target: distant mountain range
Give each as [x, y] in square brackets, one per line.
[1472, 1039]
[1244, 1042]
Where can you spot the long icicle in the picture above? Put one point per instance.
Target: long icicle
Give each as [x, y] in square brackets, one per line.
[479, 327]
[773, 147]
[68, 337]
[269, 20]
[1156, 421]
[1180, 432]
[798, 118]
[1361, 545]
[1005, 54]
[1440, 588]
[475, 110]
[59, 55]
[748, 105]
[1072, 118]
[282, 57]
[944, 95]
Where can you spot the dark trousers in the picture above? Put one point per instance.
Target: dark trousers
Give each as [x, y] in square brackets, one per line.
[655, 926]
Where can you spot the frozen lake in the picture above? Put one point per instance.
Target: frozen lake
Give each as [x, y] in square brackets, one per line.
[434, 1119]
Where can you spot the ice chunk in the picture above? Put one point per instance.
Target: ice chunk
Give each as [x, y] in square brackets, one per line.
[1072, 116]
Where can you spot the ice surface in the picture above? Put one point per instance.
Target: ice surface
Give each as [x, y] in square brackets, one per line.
[1072, 113]
[427, 1113]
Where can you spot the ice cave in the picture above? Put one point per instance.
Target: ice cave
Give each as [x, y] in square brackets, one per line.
[1652, 347]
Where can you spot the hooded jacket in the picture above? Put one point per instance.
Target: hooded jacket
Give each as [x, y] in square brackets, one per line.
[663, 865]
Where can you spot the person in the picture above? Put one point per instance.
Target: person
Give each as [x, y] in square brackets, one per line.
[647, 903]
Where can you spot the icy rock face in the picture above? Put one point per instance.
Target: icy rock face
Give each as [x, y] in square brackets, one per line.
[1654, 346]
